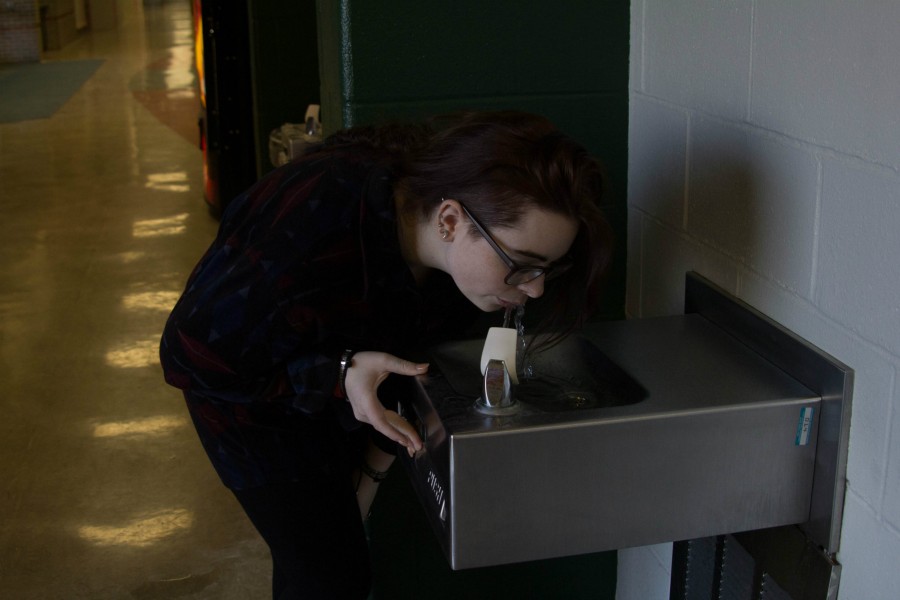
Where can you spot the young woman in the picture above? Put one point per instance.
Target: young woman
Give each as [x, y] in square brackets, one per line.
[325, 278]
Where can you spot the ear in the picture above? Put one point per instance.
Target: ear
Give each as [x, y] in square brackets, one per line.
[450, 218]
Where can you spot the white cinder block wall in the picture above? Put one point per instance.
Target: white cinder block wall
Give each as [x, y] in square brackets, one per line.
[764, 152]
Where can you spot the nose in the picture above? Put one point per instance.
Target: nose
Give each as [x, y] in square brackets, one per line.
[534, 288]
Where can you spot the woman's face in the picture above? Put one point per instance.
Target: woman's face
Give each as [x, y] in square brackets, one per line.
[539, 238]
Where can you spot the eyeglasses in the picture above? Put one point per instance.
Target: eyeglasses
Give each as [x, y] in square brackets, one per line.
[518, 274]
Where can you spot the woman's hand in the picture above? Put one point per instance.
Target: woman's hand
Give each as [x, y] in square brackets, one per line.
[361, 382]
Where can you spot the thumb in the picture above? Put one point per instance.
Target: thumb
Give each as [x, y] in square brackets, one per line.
[405, 367]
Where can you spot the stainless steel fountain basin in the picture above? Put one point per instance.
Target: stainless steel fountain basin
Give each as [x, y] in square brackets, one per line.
[682, 431]
[573, 376]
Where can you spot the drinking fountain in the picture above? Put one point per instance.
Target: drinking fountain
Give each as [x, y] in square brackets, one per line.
[632, 433]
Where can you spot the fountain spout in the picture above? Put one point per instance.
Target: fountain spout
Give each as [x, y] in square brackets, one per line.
[497, 389]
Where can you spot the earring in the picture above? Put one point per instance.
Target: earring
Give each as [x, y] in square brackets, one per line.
[443, 233]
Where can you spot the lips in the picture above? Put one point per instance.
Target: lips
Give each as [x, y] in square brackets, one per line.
[508, 303]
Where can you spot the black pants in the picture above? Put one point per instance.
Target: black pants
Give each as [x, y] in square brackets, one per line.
[316, 537]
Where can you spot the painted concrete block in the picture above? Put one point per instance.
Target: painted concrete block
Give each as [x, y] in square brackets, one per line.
[873, 378]
[858, 270]
[697, 54]
[634, 265]
[636, 55]
[828, 72]
[668, 255]
[657, 142]
[892, 485]
[754, 198]
[869, 555]
[644, 573]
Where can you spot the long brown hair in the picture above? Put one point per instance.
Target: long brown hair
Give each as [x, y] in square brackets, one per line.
[501, 164]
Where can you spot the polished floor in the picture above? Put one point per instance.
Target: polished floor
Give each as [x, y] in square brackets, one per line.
[104, 489]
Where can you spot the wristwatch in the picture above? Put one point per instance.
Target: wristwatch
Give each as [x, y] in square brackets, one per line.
[346, 363]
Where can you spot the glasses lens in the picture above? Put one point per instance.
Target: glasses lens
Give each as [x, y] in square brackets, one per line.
[524, 275]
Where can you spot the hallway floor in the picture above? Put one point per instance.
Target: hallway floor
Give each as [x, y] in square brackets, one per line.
[106, 492]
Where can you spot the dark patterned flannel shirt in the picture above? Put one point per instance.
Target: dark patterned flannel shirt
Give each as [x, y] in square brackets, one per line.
[306, 264]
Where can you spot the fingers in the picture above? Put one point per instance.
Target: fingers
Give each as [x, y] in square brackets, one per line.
[398, 429]
[369, 370]
[405, 367]
[412, 443]
[385, 364]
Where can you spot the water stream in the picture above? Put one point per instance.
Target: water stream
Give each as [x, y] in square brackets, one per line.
[525, 369]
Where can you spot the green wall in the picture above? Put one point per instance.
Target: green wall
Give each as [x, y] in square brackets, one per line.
[285, 63]
[567, 60]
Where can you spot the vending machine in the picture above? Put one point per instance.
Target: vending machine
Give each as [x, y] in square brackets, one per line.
[226, 99]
